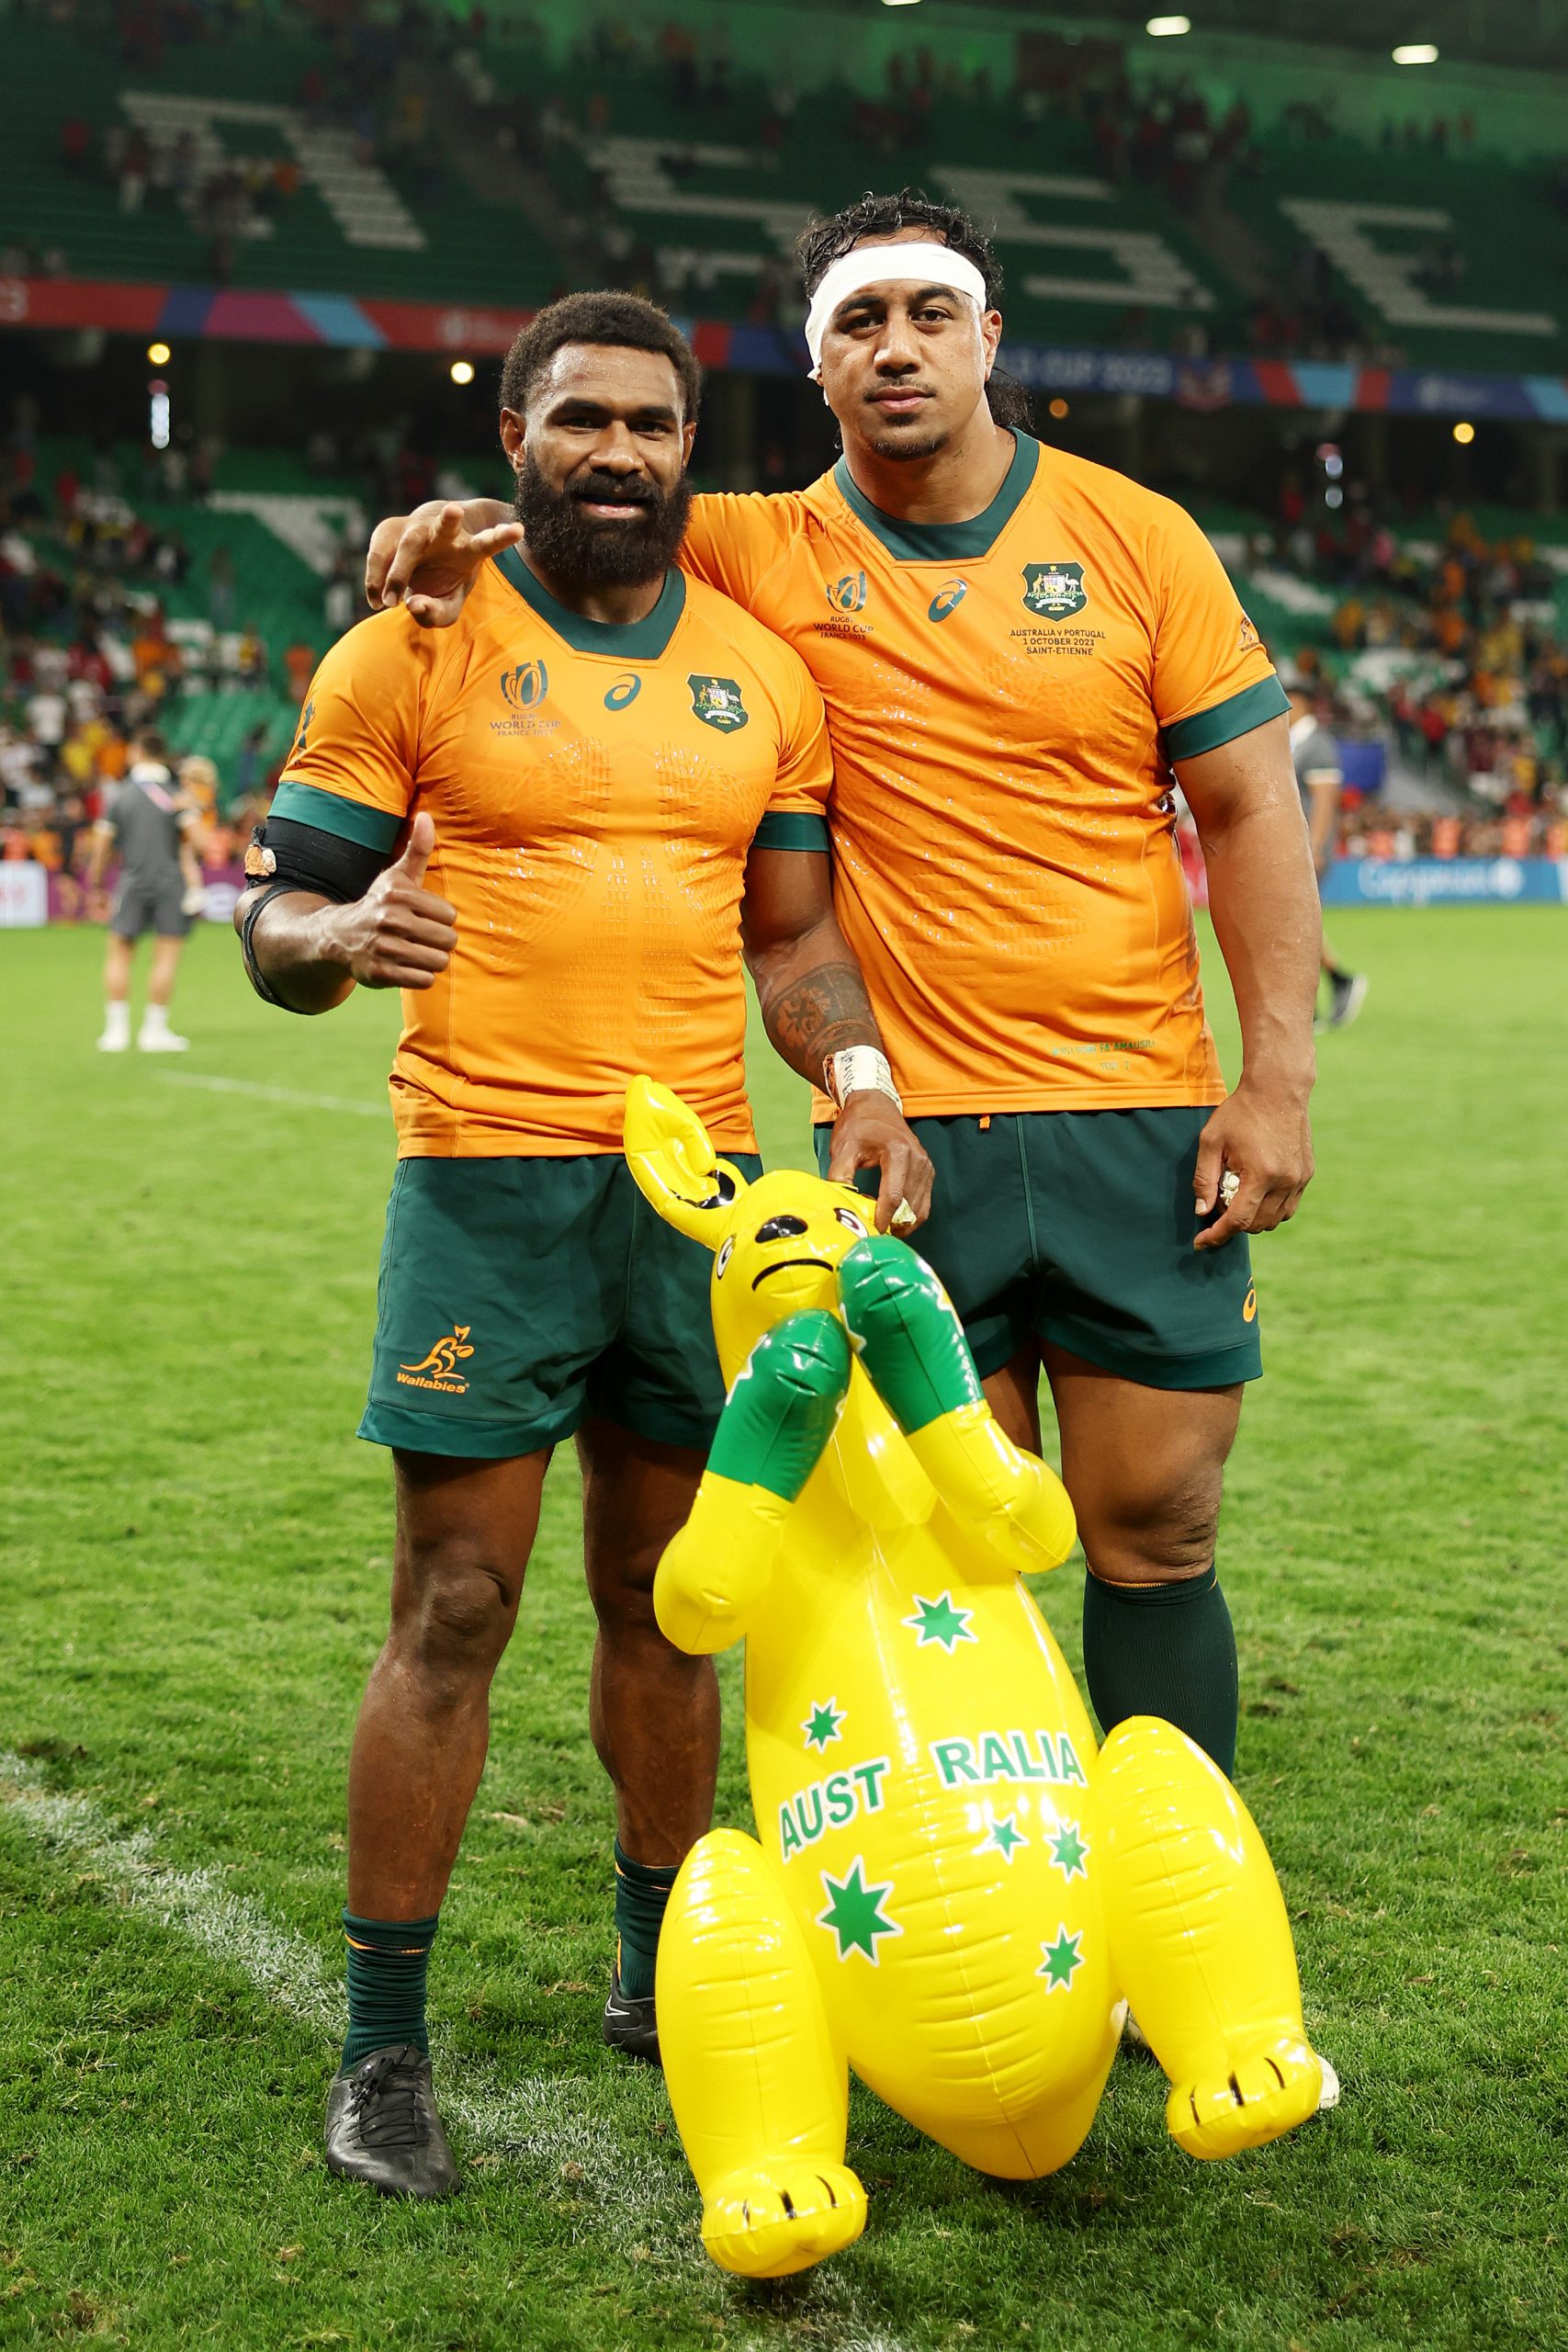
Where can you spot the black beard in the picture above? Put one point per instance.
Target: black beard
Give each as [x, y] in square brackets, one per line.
[584, 552]
[891, 450]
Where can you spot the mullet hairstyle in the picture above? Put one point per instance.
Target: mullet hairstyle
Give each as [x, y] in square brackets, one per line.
[623, 321]
[826, 242]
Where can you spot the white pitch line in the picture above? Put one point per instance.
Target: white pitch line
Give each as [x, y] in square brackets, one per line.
[634, 2202]
[260, 1093]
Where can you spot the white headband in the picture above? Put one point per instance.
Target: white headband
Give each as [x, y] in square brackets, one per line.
[900, 264]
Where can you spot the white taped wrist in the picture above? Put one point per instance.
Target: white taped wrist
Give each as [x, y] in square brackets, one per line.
[859, 1069]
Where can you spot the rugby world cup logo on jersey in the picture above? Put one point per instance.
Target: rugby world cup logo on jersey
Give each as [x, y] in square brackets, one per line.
[848, 595]
[1055, 591]
[526, 686]
[717, 702]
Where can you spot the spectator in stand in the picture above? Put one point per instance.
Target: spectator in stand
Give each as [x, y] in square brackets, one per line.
[156, 657]
[221, 583]
[298, 667]
[133, 172]
[342, 597]
[251, 665]
[249, 764]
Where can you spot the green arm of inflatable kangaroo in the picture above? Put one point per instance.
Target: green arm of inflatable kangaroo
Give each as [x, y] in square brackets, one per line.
[779, 1416]
[912, 1345]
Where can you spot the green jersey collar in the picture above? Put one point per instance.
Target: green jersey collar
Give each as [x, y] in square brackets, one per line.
[946, 542]
[644, 641]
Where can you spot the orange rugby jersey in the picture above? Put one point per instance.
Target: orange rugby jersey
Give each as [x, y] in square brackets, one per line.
[1004, 697]
[595, 792]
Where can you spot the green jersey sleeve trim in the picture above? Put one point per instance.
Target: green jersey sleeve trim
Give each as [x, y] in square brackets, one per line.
[792, 828]
[644, 641]
[945, 542]
[350, 820]
[1237, 715]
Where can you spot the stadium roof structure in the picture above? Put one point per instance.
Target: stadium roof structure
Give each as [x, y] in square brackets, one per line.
[1532, 33]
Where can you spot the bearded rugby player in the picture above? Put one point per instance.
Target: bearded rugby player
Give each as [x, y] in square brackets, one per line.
[556, 829]
[1016, 648]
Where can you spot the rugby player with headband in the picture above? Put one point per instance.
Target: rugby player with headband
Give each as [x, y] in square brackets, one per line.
[905, 263]
[1020, 653]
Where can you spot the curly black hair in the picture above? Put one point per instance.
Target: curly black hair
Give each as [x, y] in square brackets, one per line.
[825, 242]
[607, 318]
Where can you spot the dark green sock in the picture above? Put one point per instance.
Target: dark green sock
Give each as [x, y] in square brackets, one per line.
[1164, 1649]
[387, 1964]
[642, 1891]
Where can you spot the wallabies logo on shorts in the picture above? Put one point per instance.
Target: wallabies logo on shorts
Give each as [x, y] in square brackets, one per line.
[717, 702]
[1055, 591]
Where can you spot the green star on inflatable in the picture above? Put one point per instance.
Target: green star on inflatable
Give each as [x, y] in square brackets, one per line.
[1068, 1851]
[1062, 1959]
[854, 1912]
[938, 1621]
[822, 1723]
[1006, 1836]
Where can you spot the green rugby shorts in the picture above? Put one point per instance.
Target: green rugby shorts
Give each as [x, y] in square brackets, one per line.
[1077, 1227]
[519, 1297]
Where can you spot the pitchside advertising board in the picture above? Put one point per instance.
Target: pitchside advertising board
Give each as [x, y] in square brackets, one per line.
[30, 895]
[1447, 882]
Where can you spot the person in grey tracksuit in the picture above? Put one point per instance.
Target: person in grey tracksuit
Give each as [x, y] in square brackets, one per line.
[1319, 776]
[149, 824]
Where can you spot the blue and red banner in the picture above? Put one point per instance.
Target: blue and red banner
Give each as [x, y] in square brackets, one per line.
[244, 315]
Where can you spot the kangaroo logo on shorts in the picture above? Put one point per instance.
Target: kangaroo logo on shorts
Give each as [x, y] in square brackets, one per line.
[848, 595]
[525, 685]
[1055, 591]
[438, 1370]
[717, 702]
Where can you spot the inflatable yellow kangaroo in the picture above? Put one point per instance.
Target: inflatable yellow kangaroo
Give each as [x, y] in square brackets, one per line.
[953, 1892]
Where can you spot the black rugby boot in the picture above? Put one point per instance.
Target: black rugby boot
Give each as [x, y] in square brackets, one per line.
[383, 2127]
[631, 2026]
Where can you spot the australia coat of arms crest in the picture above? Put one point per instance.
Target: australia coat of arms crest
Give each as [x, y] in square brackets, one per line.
[1056, 590]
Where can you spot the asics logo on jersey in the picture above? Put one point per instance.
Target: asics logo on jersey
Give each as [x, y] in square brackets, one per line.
[1056, 590]
[848, 595]
[305, 717]
[525, 685]
[624, 690]
[439, 1368]
[717, 702]
[948, 598]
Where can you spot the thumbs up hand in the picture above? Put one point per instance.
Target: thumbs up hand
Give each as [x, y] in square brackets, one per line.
[399, 935]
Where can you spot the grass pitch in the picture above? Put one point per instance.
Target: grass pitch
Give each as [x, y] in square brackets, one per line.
[194, 1585]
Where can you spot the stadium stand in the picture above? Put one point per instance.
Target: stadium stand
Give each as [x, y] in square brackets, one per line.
[488, 160]
[325, 156]
[131, 594]
[1457, 262]
[279, 158]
